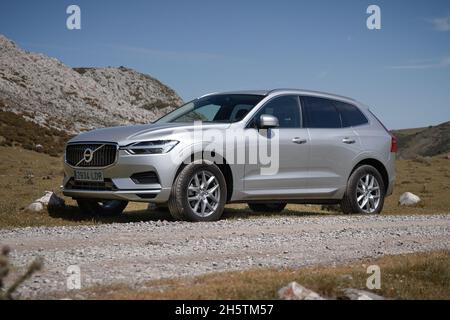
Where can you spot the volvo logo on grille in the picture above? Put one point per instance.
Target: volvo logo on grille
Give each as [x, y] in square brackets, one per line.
[85, 154]
[88, 155]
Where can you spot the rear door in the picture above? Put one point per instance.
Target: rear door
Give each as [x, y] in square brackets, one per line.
[333, 146]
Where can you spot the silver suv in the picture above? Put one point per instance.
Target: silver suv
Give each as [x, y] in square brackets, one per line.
[263, 148]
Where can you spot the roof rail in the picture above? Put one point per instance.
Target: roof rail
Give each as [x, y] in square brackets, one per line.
[310, 91]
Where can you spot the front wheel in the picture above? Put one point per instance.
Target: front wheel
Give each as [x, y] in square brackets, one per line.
[94, 207]
[199, 193]
[365, 192]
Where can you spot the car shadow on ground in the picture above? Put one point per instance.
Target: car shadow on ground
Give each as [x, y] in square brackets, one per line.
[73, 213]
[246, 213]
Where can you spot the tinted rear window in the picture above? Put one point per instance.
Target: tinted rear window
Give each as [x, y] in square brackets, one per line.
[351, 116]
[320, 113]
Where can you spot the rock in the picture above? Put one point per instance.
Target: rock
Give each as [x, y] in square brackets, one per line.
[49, 200]
[35, 207]
[356, 294]
[408, 199]
[295, 291]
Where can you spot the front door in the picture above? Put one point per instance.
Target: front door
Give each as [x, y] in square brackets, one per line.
[289, 180]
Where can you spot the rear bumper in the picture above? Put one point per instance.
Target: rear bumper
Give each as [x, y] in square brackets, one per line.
[391, 174]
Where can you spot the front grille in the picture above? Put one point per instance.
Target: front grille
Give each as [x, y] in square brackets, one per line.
[103, 154]
[106, 185]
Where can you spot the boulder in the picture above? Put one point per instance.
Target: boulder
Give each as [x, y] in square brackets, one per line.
[49, 200]
[356, 294]
[295, 291]
[35, 207]
[408, 199]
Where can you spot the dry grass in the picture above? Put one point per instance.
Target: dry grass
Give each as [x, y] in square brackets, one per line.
[16, 131]
[25, 175]
[431, 182]
[415, 276]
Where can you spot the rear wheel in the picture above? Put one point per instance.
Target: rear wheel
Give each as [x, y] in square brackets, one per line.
[199, 193]
[365, 192]
[267, 207]
[101, 207]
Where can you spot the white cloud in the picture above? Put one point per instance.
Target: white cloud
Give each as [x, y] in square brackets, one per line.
[441, 24]
[425, 64]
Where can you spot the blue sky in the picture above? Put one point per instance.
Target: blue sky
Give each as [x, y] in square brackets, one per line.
[402, 71]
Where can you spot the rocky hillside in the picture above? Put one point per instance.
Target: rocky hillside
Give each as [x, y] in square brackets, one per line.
[44, 91]
[430, 141]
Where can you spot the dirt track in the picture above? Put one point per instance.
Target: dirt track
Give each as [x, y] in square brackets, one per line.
[136, 252]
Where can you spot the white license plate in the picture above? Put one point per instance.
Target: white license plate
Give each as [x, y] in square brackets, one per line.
[89, 175]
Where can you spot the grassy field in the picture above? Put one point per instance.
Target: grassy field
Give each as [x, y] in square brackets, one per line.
[415, 276]
[25, 175]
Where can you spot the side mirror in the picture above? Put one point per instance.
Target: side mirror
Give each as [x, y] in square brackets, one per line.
[267, 121]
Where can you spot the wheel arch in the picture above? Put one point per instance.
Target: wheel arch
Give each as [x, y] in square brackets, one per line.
[377, 164]
[218, 160]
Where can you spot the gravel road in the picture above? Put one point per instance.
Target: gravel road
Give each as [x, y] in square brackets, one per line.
[137, 252]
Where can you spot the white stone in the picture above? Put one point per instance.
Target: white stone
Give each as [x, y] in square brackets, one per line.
[356, 294]
[408, 199]
[295, 291]
[35, 207]
[50, 199]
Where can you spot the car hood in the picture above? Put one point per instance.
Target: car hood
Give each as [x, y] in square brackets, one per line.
[126, 134]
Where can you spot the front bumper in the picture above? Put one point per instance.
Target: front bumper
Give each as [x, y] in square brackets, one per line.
[120, 175]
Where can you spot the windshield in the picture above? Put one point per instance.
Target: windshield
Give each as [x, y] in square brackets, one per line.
[214, 108]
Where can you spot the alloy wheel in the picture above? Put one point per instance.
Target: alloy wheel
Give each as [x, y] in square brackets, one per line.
[368, 193]
[203, 193]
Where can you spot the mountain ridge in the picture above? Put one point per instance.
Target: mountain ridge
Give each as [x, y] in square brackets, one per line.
[426, 142]
[50, 94]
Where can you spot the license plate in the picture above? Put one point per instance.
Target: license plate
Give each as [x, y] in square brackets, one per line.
[89, 175]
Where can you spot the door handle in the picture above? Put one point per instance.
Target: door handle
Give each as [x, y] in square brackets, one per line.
[348, 140]
[298, 140]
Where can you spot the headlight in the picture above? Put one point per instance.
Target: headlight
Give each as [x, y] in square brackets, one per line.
[151, 147]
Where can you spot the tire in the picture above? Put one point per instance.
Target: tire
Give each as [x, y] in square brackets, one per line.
[107, 208]
[188, 195]
[267, 207]
[356, 195]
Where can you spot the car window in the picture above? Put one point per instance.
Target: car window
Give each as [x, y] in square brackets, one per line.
[214, 108]
[320, 113]
[240, 111]
[285, 108]
[203, 113]
[351, 116]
